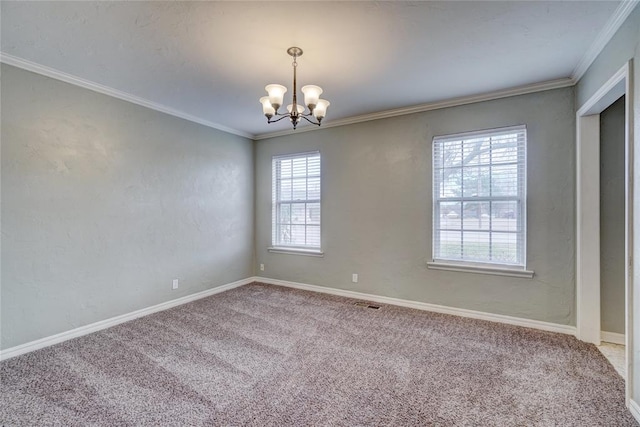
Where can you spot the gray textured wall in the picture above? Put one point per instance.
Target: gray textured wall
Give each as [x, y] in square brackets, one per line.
[105, 202]
[624, 45]
[376, 208]
[612, 218]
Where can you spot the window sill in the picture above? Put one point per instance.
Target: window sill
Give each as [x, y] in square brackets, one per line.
[296, 251]
[481, 269]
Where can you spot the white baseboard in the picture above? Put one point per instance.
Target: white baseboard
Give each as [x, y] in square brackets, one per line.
[634, 408]
[499, 318]
[612, 337]
[103, 324]
[107, 323]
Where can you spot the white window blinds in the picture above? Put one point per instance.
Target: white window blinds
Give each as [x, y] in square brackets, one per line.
[479, 197]
[296, 201]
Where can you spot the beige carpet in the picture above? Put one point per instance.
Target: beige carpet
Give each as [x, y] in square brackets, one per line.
[266, 355]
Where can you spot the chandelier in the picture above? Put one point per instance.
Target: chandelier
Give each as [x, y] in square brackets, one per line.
[317, 107]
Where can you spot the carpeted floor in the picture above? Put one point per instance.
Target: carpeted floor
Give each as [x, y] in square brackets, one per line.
[266, 355]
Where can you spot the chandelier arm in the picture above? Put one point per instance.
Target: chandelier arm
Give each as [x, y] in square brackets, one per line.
[310, 121]
[284, 116]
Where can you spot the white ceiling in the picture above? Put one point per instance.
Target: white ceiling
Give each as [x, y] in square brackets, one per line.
[211, 60]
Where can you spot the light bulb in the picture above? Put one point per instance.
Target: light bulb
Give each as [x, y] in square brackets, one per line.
[311, 95]
[276, 95]
[321, 109]
[267, 108]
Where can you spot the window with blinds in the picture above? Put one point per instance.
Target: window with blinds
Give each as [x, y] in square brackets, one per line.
[479, 197]
[296, 201]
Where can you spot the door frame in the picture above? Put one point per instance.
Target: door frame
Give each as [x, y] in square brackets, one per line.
[588, 327]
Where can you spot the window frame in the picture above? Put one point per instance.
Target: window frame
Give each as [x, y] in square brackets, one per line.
[438, 261]
[277, 246]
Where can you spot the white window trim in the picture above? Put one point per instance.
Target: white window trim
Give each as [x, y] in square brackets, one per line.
[293, 250]
[290, 250]
[499, 269]
[480, 268]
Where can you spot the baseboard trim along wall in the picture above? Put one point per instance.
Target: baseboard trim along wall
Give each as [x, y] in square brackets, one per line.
[499, 318]
[612, 337]
[107, 323]
[634, 408]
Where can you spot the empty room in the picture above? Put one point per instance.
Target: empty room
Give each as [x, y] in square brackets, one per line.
[319, 213]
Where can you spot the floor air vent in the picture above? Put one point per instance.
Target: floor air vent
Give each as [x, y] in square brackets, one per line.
[366, 304]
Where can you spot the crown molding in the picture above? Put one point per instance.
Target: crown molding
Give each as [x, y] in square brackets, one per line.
[611, 27]
[614, 23]
[454, 102]
[106, 90]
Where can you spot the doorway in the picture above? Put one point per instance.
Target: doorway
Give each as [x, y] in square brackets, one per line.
[612, 256]
[588, 242]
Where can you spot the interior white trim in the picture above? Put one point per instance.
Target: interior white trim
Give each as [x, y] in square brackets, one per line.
[453, 102]
[462, 312]
[634, 408]
[295, 251]
[614, 23]
[107, 323]
[106, 90]
[588, 214]
[593, 105]
[588, 220]
[470, 268]
[612, 337]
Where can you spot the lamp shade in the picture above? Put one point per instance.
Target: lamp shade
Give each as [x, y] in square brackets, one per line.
[267, 108]
[276, 94]
[321, 109]
[300, 108]
[311, 95]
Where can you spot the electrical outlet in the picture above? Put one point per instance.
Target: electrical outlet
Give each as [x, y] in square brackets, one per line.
[175, 284]
[354, 277]
[261, 267]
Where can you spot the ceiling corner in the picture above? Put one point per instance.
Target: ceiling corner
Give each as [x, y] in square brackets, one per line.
[608, 31]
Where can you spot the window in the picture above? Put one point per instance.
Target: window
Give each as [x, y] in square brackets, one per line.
[479, 197]
[296, 202]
